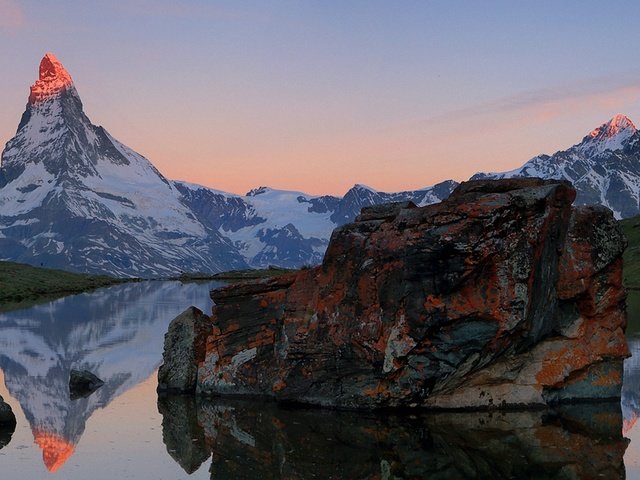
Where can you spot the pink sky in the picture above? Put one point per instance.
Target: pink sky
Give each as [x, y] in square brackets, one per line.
[317, 97]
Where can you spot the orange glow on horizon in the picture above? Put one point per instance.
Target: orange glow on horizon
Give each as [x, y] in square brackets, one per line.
[56, 450]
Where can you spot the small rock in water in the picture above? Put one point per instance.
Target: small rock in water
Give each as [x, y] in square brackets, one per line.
[7, 423]
[83, 383]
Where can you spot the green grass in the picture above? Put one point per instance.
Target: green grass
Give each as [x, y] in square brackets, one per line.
[24, 285]
[631, 228]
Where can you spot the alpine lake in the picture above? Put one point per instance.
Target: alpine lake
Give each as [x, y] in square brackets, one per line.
[125, 431]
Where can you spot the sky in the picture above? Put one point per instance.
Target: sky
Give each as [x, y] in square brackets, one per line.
[318, 95]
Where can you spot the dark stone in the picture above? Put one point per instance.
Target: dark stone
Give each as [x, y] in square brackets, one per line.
[83, 383]
[7, 423]
[384, 211]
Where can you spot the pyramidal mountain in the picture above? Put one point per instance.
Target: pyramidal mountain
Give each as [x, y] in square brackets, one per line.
[73, 197]
[604, 167]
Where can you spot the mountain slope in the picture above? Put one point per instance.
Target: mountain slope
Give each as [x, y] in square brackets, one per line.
[73, 197]
[604, 167]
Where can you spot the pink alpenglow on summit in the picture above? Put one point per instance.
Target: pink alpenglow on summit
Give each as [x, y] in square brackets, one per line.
[52, 80]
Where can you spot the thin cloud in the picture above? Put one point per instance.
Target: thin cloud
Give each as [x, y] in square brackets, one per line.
[11, 15]
[546, 104]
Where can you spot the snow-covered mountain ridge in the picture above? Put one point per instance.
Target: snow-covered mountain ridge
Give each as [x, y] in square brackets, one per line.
[604, 167]
[73, 197]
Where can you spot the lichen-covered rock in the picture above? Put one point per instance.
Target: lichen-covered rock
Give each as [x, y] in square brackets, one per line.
[184, 345]
[502, 295]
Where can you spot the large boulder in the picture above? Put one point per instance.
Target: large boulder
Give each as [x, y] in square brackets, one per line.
[502, 295]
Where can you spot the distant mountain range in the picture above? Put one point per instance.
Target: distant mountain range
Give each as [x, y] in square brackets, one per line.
[604, 167]
[73, 197]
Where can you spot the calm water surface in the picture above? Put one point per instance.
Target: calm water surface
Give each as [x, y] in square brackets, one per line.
[124, 431]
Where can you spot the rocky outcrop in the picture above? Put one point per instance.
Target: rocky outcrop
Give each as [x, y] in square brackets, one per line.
[502, 295]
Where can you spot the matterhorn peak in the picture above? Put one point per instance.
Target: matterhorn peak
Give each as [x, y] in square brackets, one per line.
[53, 79]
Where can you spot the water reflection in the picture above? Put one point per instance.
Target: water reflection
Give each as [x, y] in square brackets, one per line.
[116, 333]
[256, 440]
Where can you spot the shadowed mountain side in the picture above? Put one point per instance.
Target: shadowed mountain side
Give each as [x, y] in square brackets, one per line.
[255, 440]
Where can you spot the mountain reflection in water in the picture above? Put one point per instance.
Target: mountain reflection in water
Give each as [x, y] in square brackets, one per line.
[116, 335]
[248, 439]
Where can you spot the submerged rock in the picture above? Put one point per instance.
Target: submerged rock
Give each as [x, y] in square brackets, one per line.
[502, 295]
[83, 383]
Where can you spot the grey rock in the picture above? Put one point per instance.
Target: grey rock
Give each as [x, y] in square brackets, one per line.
[184, 348]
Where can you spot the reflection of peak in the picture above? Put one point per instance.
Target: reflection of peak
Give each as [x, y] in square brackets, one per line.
[55, 449]
[116, 333]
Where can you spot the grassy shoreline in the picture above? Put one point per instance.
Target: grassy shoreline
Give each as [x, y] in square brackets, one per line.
[23, 285]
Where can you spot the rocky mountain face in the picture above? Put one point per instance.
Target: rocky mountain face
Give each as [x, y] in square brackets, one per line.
[604, 167]
[502, 295]
[73, 197]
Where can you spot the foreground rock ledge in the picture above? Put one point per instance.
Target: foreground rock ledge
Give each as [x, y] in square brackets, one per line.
[501, 296]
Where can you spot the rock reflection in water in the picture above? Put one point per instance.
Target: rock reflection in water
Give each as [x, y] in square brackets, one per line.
[257, 440]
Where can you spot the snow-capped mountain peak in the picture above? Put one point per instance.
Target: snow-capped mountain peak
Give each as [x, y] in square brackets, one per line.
[604, 167]
[611, 135]
[619, 125]
[53, 79]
